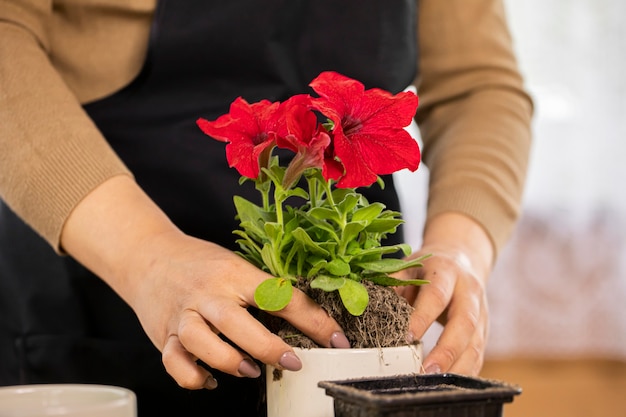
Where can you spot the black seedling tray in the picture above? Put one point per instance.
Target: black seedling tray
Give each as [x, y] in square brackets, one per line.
[439, 395]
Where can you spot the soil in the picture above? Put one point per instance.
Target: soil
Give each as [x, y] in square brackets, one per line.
[384, 323]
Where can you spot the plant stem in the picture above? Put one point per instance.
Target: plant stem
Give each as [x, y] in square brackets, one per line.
[279, 199]
[264, 189]
[313, 191]
[329, 194]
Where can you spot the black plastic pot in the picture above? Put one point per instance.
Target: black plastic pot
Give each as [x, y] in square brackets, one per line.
[440, 395]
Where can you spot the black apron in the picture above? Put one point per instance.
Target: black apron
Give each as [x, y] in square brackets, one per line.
[60, 323]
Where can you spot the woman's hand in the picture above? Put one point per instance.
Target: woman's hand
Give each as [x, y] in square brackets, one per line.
[460, 263]
[195, 290]
[185, 291]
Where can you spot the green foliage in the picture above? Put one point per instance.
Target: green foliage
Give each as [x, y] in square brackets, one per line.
[273, 294]
[333, 239]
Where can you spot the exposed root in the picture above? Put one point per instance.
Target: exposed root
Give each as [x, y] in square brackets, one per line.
[384, 323]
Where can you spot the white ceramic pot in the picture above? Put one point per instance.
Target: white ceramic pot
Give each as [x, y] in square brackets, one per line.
[297, 393]
[67, 400]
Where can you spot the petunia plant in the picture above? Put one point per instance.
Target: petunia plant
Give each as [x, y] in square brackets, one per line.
[344, 138]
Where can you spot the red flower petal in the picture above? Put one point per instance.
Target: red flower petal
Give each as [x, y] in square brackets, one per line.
[249, 129]
[307, 137]
[369, 135]
[299, 124]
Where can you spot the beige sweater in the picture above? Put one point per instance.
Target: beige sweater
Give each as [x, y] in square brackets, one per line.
[55, 55]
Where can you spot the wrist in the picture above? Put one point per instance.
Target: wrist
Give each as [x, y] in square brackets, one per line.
[106, 231]
[464, 237]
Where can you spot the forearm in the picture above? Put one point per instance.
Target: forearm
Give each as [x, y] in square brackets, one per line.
[474, 114]
[110, 230]
[477, 154]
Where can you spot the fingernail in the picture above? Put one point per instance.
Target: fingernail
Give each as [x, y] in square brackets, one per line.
[290, 362]
[339, 340]
[410, 338]
[248, 368]
[432, 369]
[210, 383]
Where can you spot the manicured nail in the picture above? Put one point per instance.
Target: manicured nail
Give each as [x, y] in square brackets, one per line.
[249, 368]
[432, 369]
[410, 338]
[290, 362]
[210, 382]
[339, 340]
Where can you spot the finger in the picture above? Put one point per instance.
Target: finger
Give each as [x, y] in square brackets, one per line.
[196, 337]
[463, 321]
[431, 301]
[247, 333]
[312, 320]
[182, 366]
[471, 360]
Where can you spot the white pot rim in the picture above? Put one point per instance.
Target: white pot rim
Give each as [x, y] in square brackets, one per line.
[326, 352]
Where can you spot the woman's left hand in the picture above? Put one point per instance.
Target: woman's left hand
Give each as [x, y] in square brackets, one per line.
[458, 268]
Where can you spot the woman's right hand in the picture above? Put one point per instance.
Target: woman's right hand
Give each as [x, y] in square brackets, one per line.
[185, 291]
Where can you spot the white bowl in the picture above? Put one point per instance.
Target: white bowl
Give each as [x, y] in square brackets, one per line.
[67, 400]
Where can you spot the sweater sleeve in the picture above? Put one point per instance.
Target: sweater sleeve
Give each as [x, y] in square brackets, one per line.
[51, 154]
[474, 113]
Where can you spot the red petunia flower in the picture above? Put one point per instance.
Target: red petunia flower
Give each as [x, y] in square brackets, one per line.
[250, 130]
[368, 135]
[304, 135]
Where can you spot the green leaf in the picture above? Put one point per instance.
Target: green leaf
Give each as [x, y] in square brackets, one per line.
[247, 240]
[305, 240]
[381, 250]
[298, 192]
[328, 284]
[340, 193]
[405, 247]
[416, 261]
[252, 250]
[331, 247]
[338, 267]
[371, 243]
[250, 212]
[348, 203]
[368, 213]
[273, 294]
[387, 281]
[383, 225]
[319, 224]
[269, 259]
[351, 231]
[325, 213]
[276, 173]
[254, 230]
[354, 297]
[252, 217]
[290, 226]
[389, 265]
[390, 214]
[353, 248]
[316, 266]
[273, 231]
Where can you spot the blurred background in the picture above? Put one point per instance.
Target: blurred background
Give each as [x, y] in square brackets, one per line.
[558, 292]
